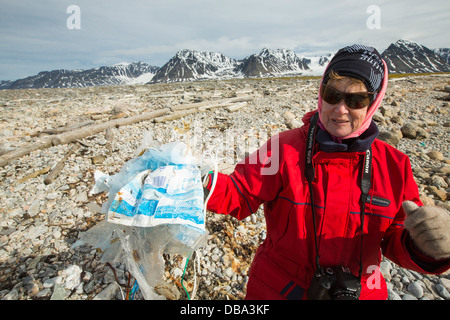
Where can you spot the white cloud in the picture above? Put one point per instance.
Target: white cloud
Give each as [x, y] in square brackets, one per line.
[34, 37]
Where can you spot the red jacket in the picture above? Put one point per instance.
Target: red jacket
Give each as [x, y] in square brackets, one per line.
[285, 262]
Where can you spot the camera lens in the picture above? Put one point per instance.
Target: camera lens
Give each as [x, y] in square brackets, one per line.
[329, 271]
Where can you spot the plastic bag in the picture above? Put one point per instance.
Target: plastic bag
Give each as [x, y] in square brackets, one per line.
[171, 194]
[155, 206]
[167, 154]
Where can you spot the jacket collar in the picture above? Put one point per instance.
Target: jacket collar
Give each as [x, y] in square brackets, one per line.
[359, 144]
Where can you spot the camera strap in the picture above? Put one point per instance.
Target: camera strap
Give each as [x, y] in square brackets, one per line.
[310, 174]
[365, 187]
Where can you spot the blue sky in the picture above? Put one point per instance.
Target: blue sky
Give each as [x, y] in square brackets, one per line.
[34, 36]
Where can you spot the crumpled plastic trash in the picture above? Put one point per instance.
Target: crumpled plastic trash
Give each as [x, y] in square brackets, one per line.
[171, 194]
[155, 206]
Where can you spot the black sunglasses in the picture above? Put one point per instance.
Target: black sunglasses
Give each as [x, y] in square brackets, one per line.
[355, 100]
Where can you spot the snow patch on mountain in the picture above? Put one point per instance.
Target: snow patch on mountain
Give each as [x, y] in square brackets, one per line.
[405, 56]
[189, 65]
[270, 63]
[119, 74]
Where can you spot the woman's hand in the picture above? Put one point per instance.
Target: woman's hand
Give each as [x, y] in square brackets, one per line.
[429, 228]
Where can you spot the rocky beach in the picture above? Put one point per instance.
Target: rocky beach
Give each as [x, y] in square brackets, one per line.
[48, 160]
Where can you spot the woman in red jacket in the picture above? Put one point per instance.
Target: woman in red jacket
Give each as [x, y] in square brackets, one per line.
[335, 197]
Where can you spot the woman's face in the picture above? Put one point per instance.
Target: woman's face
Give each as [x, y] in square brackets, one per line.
[338, 119]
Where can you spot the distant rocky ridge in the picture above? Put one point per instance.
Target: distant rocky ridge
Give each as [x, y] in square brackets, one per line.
[193, 65]
[273, 63]
[444, 53]
[188, 65]
[402, 56]
[410, 57]
[118, 74]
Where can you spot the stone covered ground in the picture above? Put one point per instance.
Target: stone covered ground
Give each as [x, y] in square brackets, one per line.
[40, 222]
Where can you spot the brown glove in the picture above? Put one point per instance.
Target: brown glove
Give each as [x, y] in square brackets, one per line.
[429, 228]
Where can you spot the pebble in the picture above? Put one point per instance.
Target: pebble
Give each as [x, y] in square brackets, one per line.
[445, 282]
[385, 269]
[408, 297]
[443, 291]
[59, 293]
[392, 295]
[108, 293]
[415, 289]
[436, 155]
[41, 223]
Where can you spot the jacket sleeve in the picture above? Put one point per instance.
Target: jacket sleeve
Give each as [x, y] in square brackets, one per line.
[255, 180]
[397, 244]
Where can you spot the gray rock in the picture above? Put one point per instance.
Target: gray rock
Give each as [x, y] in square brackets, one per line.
[436, 155]
[12, 295]
[406, 280]
[379, 118]
[398, 119]
[415, 289]
[409, 130]
[385, 269]
[108, 293]
[32, 289]
[43, 294]
[413, 131]
[228, 272]
[392, 295]
[34, 208]
[408, 297]
[59, 293]
[443, 291]
[445, 282]
[439, 182]
[389, 138]
[415, 274]
[50, 283]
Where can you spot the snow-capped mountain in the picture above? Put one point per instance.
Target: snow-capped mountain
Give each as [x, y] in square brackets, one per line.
[188, 65]
[402, 56]
[444, 53]
[270, 63]
[406, 56]
[318, 64]
[118, 74]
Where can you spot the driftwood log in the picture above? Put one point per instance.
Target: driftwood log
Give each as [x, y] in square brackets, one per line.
[207, 105]
[68, 137]
[7, 157]
[67, 128]
[57, 169]
[291, 121]
[62, 136]
[34, 175]
[174, 115]
[236, 107]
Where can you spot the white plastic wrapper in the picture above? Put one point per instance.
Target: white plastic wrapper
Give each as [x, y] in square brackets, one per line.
[171, 194]
[155, 206]
[162, 186]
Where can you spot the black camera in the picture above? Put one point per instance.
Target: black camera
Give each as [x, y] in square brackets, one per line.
[336, 283]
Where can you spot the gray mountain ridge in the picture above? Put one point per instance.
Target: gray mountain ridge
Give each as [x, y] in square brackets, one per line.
[406, 56]
[403, 56]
